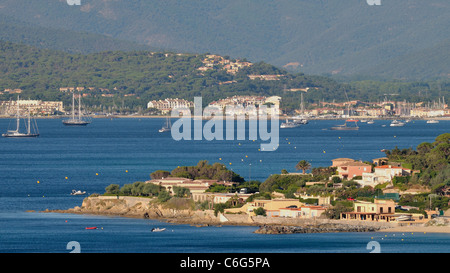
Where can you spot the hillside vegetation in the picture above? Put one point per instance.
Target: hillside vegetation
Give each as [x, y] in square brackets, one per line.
[399, 39]
[135, 77]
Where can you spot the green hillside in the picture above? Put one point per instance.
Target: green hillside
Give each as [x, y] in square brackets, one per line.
[16, 31]
[133, 78]
[399, 39]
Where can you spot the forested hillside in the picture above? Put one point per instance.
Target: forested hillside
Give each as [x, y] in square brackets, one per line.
[399, 39]
[131, 79]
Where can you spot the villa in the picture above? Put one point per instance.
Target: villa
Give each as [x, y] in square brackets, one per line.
[380, 210]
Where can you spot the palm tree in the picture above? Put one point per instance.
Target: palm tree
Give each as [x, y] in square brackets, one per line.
[303, 165]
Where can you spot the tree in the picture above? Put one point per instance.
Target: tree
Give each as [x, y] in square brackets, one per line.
[260, 211]
[159, 174]
[113, 189]
[303, 165]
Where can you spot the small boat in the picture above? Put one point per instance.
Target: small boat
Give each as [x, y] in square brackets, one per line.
[345, 126]
[370, 122]
[404, 218]
[74, 192]
[396, 123]
[158, 229]
[432, 121]
[290, 124]
[91, 228]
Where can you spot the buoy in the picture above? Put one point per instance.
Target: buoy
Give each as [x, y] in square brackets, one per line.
[220, 158]
[38, 182]
[96, 173]
[67, 177]
[126, 171]
[246, 156]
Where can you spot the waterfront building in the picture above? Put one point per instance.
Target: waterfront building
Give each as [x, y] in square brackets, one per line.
[36, 107]
[218, 198]
[383, 174]
[194, 186]
[268, 205]
[167, 105]
[306, 212]
[348, 168]
[380, 210]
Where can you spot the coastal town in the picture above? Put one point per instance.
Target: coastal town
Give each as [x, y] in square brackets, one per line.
[387, 109]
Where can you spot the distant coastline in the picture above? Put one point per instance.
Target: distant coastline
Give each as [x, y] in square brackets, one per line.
[195, 117]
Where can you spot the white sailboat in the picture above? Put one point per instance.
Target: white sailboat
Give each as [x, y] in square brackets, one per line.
[16, 133]
[76, 120]
[167, 127]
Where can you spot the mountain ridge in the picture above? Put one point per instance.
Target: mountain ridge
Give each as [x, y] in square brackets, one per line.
[323, 37]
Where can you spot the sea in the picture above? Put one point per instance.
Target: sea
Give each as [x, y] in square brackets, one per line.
[40, 173]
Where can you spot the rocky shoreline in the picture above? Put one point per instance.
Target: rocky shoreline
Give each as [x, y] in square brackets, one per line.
[136, 207]
[318, 228]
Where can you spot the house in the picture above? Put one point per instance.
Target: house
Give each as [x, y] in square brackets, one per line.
[380, 210]
[302, 212]
[194, 186]
[218, 198]
[348, 168]
[383, 174]
[271, 206]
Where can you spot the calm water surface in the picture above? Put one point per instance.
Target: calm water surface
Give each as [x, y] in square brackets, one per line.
[36, 174]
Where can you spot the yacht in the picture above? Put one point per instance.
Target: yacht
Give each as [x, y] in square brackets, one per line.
[76, 120]
[29, 126]
[290, 124]
[396, 123]
[345, 126]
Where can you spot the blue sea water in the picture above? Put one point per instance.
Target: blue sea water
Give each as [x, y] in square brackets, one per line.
[38, 174]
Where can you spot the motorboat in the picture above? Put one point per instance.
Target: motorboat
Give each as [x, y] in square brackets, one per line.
[290, 124]
[432, 121]
[74, 192]
[91, 228]
[396, 123]
[404, 218]
[345, 126]
[158, 229]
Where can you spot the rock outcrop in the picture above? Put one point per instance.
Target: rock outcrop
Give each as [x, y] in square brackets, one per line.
[318, 228]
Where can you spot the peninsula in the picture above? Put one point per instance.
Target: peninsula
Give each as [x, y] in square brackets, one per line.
[407, 189]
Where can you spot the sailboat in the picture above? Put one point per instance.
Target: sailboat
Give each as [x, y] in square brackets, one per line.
[16, 133]
[76, 120]
[167, 127]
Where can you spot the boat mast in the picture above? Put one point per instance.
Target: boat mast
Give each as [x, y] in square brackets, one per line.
[79, 107]
[73, 105]
[18, 115]
[29, 123]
